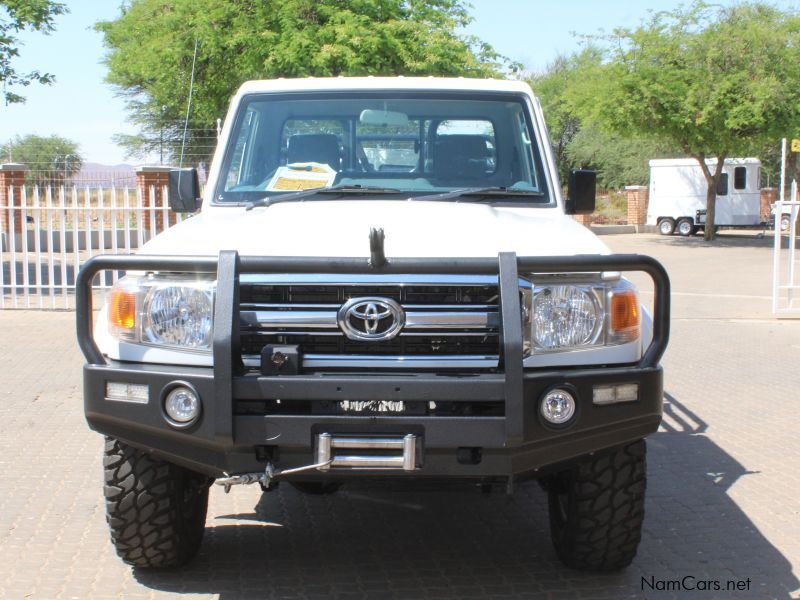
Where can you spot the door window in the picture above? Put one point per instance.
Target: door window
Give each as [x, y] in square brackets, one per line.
[740, 178]
[722, 185]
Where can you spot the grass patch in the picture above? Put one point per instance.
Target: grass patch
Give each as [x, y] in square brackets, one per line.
[611, 207]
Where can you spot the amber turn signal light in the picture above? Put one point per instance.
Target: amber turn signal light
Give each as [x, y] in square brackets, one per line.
[122, 309]
[624, 311]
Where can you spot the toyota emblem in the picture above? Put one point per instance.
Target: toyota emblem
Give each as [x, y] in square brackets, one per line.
[371, 319]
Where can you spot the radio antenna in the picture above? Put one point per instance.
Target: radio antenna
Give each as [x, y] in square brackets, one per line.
[189, 105]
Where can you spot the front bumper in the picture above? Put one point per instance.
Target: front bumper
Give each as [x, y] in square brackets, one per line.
[289, 439]
[518, 443]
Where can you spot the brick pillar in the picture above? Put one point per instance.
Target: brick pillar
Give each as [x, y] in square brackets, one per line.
[637, 204]
[147, 178]
[768, 196]
[12, 175]
[584, 219]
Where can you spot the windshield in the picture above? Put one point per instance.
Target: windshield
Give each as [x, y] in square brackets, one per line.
[416, 144]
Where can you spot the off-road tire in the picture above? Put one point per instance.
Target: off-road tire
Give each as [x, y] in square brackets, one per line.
[597, 509]
[156, 510]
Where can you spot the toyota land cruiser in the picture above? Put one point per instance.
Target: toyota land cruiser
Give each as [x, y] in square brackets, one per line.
[383, 281]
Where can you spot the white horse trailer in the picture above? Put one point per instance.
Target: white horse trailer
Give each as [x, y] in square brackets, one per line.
[677, 199]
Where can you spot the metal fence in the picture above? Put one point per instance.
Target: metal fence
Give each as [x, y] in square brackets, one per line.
[785, 267]
[82, 179]
[49, 232]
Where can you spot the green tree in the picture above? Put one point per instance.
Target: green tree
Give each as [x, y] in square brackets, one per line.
[50, 160]
[151, 47]
[619, 160]
[17, 16]
[554, 88]
[714, 81]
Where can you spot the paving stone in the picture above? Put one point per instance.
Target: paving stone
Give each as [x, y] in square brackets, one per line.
[723, 490]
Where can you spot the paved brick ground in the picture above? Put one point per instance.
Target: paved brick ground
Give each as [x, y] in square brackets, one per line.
[723, 503]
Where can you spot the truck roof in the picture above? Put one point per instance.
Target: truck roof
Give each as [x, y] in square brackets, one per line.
[691, 162]
[384, 83]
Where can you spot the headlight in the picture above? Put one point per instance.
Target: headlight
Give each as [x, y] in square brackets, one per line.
[176, 313]
[565, 316]
[573, 316]
[179, 315]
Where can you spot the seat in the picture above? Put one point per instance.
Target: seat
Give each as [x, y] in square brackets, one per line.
[314, 147]
[460, 156]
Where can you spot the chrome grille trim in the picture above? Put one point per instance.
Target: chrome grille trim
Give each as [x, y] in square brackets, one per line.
[415, 320]
[483, 320]
[360, 279]
[284, 319]
[355, 361]
[337, 333]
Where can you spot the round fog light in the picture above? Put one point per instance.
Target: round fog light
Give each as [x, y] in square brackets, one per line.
[558, 406]
[182, 405]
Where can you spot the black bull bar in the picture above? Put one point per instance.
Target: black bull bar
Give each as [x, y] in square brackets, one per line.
[507, 266]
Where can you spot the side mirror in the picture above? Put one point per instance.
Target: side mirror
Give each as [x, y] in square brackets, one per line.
[184, 190]
[581, 192]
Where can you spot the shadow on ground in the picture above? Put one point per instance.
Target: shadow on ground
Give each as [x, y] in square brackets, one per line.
[750, 239]
[450, 541]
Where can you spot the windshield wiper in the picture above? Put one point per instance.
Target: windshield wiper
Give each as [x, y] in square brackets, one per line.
[345, 188]
[476, 191]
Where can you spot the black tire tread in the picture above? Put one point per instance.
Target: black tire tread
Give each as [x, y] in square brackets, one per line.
[155, 510]
[605, 510]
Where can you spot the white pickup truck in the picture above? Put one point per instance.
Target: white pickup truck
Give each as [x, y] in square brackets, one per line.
[383, 281]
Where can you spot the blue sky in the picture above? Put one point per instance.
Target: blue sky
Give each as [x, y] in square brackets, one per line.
[81, 107]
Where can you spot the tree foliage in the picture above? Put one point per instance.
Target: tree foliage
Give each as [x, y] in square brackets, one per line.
[554, 87]
[619, 159]
[715, 81]
[17, 16]
[151, 49]
[51, 159]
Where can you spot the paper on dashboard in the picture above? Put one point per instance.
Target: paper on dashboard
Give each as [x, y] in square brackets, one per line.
[301, 176]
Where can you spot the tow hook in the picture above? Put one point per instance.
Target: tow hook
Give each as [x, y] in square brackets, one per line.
[266, 478]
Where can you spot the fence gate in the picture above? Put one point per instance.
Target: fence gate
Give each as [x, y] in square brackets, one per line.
[47, 233]
[785, 268]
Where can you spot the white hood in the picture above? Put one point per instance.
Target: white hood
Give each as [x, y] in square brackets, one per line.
[412, 229]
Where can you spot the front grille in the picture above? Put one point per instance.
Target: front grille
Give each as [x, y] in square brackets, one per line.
[335, 295]
[427, 345]
[443, 321]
